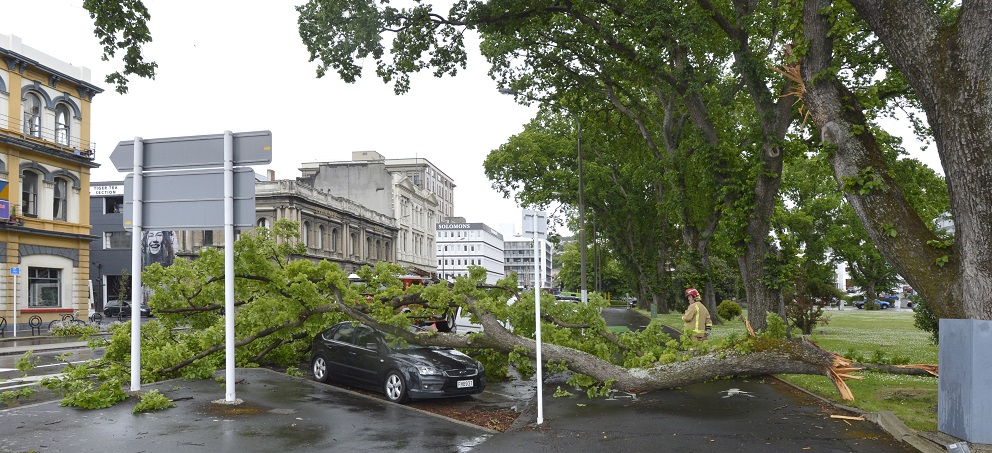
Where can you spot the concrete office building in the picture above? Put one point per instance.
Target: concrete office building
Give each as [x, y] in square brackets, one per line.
[519, 252]
[461, 244]
[413, 191]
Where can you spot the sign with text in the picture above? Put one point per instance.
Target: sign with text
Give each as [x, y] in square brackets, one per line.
[191, 200]
[116, 189]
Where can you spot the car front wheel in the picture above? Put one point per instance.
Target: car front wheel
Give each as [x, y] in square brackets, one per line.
[319, 367]
[395, 388]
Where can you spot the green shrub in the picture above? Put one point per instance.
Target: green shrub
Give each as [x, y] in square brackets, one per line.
[728, 310]
[924, 319]
[873, 305]
[776, 326]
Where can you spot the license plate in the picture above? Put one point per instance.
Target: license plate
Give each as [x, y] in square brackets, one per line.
[465, 384]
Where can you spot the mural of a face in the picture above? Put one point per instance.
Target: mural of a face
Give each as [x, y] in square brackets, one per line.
[154, 241]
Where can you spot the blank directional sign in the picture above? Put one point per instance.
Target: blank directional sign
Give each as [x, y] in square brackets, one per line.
[200, 151]
[191, 199]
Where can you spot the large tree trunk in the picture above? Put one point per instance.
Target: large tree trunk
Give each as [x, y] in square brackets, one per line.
[949, 68]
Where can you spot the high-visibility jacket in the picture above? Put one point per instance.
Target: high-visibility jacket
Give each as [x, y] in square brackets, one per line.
[696, 318]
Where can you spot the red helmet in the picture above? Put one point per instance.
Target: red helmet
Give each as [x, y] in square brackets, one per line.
[691, 292]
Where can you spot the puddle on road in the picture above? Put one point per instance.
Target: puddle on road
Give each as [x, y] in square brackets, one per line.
[233, 409]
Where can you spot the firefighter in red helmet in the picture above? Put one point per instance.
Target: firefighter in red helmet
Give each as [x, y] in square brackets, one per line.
[697, 317]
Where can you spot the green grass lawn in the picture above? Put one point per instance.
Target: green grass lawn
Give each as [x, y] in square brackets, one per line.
[882, 336]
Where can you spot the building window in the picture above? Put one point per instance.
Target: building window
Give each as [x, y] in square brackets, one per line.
[353, 250]
[29, 193]
[60, 200]
[32, 115]
[62, 125]
[306, 234]
[117, 240]
[44, 287]
[208, 237]
[334, 239]
[368, 248]
[320, 237]
[263, 223]
[113, 205]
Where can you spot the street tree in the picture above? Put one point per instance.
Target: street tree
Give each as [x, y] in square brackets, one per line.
[942, 49]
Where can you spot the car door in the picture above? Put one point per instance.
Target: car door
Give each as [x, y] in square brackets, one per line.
[368, 356]
[337, 347]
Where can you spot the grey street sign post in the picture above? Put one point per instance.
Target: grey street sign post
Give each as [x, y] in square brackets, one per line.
[177, 198]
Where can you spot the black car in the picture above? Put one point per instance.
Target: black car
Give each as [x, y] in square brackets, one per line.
[122, 309]
[359, 355]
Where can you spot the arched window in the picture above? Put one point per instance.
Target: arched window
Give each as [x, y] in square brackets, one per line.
[334, 239]
[62, 125]
[353, 245]
[60, 200]
[29, 193]
[32, 115]
[263, 222]
[320, 237]
[368, 248]
[378, 249]
[306, 234]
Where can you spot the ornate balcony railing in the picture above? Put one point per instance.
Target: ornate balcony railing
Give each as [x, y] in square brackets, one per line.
[59, 139]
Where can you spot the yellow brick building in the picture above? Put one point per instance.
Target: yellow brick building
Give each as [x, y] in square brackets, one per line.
[45, 160]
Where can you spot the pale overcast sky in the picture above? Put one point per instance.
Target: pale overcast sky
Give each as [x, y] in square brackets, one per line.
[232, 65]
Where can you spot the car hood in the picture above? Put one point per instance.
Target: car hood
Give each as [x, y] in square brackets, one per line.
[440, 358]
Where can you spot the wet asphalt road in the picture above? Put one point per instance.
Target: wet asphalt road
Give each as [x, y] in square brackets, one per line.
[284, 413]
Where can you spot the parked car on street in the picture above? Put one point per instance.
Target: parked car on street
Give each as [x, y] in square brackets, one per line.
[884, 302]
[122, 309]
[356, 354]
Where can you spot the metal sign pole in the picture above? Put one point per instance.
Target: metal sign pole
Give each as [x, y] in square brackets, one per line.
[229, 262]
[168, 199]
[537, 324]
[136, 296]
[13, 275]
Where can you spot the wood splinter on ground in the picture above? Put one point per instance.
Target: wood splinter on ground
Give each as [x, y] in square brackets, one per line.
[847, 417]
[839, 372]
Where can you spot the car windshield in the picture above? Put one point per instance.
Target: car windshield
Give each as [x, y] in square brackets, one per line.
[395, 342]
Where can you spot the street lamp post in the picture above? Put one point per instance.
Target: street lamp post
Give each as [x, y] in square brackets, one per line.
[582, 206]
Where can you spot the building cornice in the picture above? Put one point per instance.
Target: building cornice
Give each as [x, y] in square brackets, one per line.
[20, 63]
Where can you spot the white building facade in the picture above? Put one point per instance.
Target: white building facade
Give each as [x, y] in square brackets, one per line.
[462, 244]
